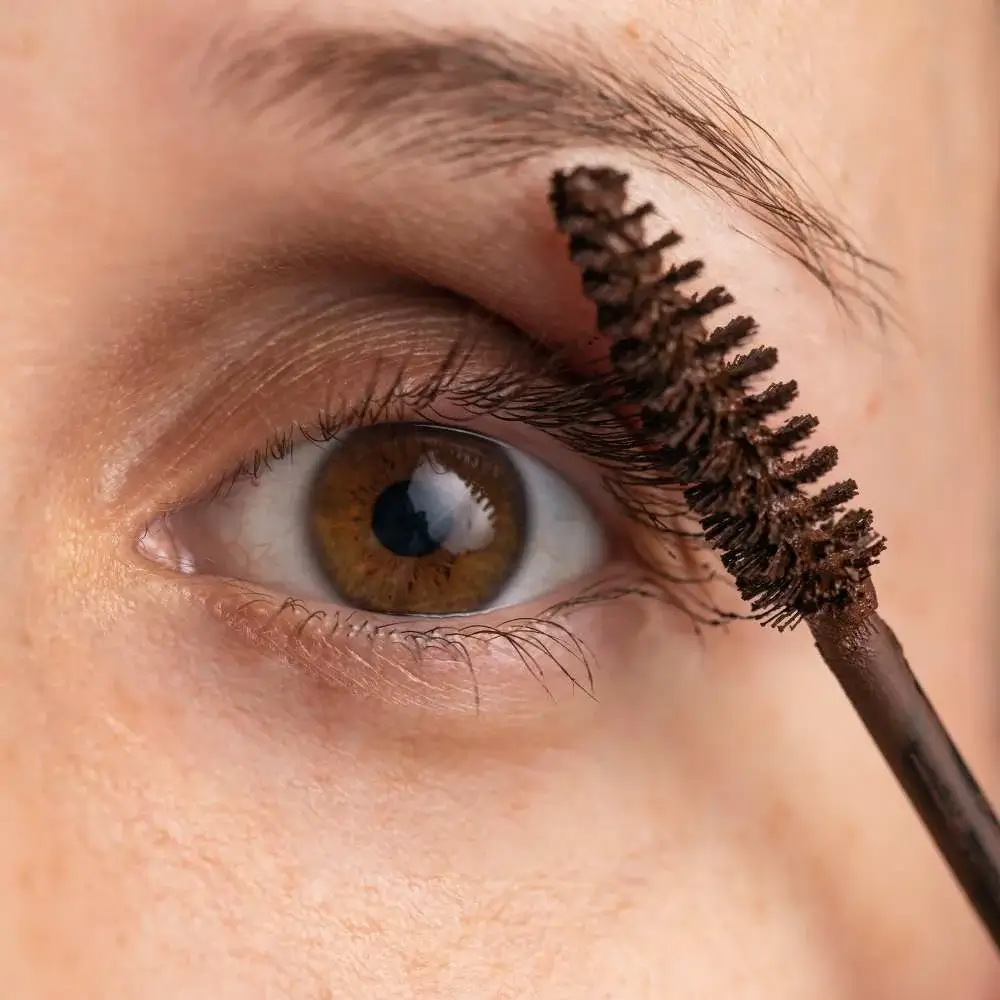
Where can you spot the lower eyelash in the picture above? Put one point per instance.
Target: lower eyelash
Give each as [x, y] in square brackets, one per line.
[545, 644]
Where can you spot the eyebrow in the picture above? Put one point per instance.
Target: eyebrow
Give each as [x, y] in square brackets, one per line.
[483, 103]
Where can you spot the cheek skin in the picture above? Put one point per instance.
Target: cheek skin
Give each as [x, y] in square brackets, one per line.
[179, 812]
[205, 792]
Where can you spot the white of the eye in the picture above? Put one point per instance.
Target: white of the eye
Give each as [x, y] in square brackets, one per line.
[261, 530]
[564, 540]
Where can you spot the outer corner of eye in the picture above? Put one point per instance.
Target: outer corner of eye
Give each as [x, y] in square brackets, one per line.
[398, 519]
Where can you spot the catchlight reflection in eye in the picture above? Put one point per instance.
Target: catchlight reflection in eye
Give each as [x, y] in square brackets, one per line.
[399, 519]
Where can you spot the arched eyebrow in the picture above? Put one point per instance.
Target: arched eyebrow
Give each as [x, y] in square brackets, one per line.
[482, 103]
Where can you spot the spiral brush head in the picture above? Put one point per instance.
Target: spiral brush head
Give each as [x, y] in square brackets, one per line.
[791, 553]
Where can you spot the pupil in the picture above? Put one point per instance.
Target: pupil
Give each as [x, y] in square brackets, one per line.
[409, 525]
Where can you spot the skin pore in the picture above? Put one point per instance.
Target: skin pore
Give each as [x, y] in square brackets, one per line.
[190, 265]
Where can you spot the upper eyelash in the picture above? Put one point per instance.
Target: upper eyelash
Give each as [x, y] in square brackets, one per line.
[550, 396]
[534, 639]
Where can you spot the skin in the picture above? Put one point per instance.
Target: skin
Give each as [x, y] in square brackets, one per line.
[186, 814]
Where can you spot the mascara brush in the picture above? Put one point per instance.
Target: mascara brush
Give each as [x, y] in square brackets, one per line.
[794, 555]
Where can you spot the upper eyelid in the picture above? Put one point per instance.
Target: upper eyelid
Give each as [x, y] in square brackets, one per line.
[543, 404]
[231, 339]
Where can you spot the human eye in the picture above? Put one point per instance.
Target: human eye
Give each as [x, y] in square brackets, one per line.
[472, 508]
[395, 518]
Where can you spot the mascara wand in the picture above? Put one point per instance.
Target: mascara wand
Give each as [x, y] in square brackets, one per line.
[866, 658]
[794, 556]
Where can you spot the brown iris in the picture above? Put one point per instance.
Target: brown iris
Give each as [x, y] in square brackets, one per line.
[416, 519]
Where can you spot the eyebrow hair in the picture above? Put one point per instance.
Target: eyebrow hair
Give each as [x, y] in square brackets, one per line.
[482, 103]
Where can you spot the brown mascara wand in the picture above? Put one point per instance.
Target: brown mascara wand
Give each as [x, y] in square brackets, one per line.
[793, 555]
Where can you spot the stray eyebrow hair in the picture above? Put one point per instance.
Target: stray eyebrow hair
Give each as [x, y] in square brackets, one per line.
[482, 103]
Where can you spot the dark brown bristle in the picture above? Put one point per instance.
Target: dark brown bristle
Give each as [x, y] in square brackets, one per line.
[792, 554]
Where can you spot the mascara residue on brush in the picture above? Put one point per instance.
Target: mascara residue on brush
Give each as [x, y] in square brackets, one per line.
[791, 553]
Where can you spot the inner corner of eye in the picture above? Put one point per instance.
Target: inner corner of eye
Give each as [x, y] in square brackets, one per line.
[398, 519]
[161, 544]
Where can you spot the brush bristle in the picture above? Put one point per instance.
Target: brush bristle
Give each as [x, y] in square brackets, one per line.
[792, 554]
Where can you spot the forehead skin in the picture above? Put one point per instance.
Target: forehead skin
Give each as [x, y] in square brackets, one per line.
[179, 820]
